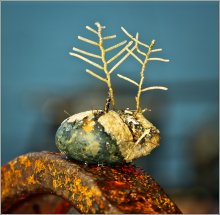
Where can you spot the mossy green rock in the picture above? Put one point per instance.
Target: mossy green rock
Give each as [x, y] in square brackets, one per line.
[106, 137]
[86, 140]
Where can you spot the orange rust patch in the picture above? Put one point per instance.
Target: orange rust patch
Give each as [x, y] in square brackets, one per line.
[84, 194]
[17, 173]
[25, 161]
[90, 189]
[88, 125]
[6, 182]
[67, 180]
[31, 180]
[39, 166]
[57, 183]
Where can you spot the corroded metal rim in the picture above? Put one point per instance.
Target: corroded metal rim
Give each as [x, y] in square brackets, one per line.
[90, 189]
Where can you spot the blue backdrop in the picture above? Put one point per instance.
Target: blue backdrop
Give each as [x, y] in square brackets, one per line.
[36, 67]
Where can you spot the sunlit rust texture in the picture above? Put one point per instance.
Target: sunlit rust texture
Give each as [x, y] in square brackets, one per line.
[88, 188]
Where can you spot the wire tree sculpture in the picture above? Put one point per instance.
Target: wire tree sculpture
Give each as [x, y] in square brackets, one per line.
[143, 63]
[116, 136]
[104, 61]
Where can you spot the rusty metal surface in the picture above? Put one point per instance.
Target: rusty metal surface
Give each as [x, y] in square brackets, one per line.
[90, 189]
[41, 204]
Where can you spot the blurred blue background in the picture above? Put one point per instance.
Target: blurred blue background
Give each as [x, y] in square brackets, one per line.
[40, 80]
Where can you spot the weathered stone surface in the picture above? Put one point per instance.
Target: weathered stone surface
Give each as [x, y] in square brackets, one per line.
[89, 189]
[107, 137]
